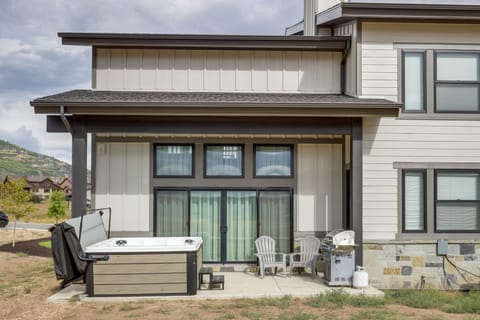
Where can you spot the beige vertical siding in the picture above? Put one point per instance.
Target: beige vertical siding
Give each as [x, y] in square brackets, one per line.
[350, 29]
[319, 195]
[387, 140]
[213, 70]
[122, 183]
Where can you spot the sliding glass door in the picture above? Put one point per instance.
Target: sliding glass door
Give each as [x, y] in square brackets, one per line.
[241, 221]
[172, 213]
[274, 209]
[205, 210]
[228, 221]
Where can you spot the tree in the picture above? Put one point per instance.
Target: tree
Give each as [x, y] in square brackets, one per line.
[58, 206]
[15, 201]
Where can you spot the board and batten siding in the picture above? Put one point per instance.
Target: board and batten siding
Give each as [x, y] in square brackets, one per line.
[387, 140]
[350, 29]
[319, 187]
[380, 69]
[122, 182]
[215, 70]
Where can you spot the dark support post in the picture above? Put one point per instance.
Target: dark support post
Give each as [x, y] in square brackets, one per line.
[79, 167]
[356, 187]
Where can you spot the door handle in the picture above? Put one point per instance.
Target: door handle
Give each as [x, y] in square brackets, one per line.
[224, 229]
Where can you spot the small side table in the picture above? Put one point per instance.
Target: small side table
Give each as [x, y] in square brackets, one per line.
[205, 271]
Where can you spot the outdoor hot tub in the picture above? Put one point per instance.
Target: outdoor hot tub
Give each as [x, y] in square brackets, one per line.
[145, 266]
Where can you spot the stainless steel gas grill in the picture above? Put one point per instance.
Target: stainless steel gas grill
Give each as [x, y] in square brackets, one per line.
[338, 249]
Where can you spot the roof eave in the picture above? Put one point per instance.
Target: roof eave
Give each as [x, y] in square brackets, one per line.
[169, 41]
[221, 109]
[347, 11]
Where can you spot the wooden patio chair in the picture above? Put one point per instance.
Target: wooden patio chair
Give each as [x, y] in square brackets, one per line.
[268, 257]
[308, 255]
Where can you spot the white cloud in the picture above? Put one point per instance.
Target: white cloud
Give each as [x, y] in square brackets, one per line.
[33, 63]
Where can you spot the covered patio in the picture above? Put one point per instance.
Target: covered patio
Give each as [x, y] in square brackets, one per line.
[238, 285]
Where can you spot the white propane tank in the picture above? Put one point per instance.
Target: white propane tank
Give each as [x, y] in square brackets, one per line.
[360, 278]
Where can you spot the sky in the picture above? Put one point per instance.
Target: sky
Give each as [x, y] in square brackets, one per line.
[33, 63]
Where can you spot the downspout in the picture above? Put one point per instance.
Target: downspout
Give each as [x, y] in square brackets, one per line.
[64, 119]
[343, 69]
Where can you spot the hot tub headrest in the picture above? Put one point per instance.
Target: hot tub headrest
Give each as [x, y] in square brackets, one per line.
[93, 229]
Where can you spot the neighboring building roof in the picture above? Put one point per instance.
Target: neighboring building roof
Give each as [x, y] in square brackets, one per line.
[100, 101]
[347, 11]
[188, 41]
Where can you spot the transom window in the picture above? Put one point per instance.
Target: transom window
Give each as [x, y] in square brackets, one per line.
[174, 160]
[273, 161]
[223, 160]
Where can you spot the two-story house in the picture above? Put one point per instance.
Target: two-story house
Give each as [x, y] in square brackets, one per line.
[364, 117]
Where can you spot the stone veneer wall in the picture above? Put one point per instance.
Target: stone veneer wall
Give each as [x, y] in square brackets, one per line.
[415, 264]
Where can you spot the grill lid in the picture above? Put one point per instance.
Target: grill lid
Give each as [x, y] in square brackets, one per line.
[341, 237]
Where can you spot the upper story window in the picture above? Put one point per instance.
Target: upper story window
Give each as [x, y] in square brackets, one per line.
[414, 81]
[174, 160]
[273, 161]
[223, 161]
[436, 81]
[457, 82]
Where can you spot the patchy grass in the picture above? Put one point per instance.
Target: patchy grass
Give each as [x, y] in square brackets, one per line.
[338, 299]
[450, 302]
[20, 254]
[298, 316]
[379, 314]
[130, 306]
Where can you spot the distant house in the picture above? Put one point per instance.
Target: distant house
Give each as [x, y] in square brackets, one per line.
[66, 185]
[41, 186]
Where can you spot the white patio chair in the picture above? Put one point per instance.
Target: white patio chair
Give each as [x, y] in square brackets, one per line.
[308, 255]
[268, 257]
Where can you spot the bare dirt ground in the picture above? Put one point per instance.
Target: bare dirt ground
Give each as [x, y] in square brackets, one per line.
[28, 279]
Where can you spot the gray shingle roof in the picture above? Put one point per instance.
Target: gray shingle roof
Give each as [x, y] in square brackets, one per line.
[161, 98]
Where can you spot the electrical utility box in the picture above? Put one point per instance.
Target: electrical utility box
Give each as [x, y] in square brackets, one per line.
[442, 247]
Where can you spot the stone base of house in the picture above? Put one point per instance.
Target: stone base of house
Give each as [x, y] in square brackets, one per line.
[415, 264]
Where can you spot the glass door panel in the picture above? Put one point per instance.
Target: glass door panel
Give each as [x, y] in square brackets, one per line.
[205, 208]
[171, 213]
[241, 218]
[274, 211]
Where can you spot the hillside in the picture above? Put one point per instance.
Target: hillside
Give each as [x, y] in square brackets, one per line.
[18, 161]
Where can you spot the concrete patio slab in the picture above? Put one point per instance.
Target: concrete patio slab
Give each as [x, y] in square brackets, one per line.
[240, 285]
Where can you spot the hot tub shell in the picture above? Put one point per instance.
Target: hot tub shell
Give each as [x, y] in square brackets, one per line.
[145, 266]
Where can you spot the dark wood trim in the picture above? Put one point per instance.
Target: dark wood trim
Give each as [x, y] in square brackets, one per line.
[79, 167]
[208, 125]
[356, 203]
[205, 42]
